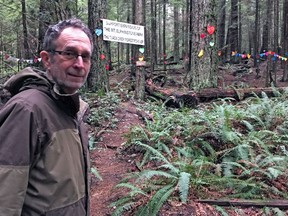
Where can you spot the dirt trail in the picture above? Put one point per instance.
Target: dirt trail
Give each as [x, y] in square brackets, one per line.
[110, 165]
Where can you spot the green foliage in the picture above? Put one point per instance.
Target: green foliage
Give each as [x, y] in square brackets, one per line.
[96, 173]
[222, 146]
[161, 183]
[221, 211]
[184, 183]
[103, 108]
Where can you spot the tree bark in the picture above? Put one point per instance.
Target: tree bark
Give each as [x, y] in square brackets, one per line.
[27, 54]
[153, 35]
[221, 28]
[164, 34]
[268, 74]
[233, 29]
[281, 204]
[98, 79]
[176, 32]
[256, 42]
[204, 59]
[140, 72]
[191, 98]
[285, 38]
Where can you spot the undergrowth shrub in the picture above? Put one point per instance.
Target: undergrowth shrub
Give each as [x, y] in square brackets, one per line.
[236, 149]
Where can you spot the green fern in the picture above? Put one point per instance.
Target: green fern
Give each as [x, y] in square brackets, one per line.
[221, 211]
[134, 190]
[94, 171]
[158, 199]
[183, 184]
[125, 207]
[148, 174]
[219, 146]
[278, 212]
[158, 155]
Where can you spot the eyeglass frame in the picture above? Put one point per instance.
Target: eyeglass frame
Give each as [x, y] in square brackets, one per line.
[71, 55]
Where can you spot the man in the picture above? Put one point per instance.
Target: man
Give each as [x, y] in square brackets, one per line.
[43, 143]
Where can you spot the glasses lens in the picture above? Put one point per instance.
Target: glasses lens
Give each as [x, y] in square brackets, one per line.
[86, 57]
[69, 55]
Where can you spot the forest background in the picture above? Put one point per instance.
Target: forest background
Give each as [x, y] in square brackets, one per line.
[196, 34]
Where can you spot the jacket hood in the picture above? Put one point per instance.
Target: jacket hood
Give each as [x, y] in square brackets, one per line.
[30, 78]
[27, 79]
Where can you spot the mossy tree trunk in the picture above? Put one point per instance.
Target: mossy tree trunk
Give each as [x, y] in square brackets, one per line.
[140, 72]
[204, 59]
[98, 79]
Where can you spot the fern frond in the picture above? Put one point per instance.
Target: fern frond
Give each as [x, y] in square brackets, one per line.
[278, 212]
[248, 125]
[148, 174]
[96, 173]
[171, 167]
[120, 201]
[274, 173]
[271, 160]
[134, 189]
[158, 155]
[228, 166]
[183, 184]
[142, 211]
[145, 158]
[163, 147]
[119, 210]
[157, 201]
[221, 210]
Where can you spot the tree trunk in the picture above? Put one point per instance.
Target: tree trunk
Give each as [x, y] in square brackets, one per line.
[176, 32]
[240, 27]
[275, 42]
[256, 33]
[233, 29]
[221, 29]
[285, 38]
[153, 35]
[190, 32]
[44, 21]
[140, 72]
[265, 37]
[27, 54]
[160, 25]
[164, 34]
[128, 46]
[185, 33]
[98, 79]
[204, 59]
[268, 74]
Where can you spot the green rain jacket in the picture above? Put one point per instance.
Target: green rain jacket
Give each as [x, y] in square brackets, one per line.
[44, 158]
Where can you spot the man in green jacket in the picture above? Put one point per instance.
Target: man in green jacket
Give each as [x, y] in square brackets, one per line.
[44, 158]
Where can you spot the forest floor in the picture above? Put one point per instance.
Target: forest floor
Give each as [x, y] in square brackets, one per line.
[112, 164]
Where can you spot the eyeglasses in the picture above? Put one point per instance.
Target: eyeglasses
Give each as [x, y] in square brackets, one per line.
[70, 55]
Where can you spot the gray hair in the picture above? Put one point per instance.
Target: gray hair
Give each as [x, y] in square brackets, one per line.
[54, 31]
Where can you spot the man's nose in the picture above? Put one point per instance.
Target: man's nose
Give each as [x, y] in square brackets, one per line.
[79, 62]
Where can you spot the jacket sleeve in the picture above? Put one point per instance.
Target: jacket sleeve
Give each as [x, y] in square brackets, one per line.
[18, 138]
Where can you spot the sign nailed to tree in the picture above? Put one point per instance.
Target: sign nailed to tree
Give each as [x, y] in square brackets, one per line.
[123, 32]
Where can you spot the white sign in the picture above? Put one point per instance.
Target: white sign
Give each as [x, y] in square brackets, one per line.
[123, 32]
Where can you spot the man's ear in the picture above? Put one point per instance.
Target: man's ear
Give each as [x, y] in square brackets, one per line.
[45, 58]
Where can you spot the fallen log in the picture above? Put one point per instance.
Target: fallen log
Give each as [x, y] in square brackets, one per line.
[281, 204]
[206, 95]
[174, 98]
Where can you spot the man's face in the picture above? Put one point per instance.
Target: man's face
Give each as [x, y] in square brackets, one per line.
[65, 66]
